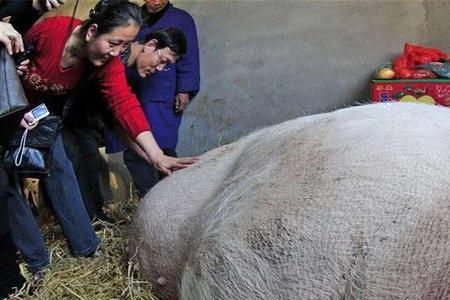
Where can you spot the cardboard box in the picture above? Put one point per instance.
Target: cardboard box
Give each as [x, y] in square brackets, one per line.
[427, 91]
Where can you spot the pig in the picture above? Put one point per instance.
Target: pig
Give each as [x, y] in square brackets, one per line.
[352, 204]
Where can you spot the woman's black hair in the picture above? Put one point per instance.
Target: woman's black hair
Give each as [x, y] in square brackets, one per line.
[168, 37]
[108, 14]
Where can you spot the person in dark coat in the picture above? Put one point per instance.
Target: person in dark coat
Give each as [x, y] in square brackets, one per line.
[9, 270]
[20, 14]
[163, 95]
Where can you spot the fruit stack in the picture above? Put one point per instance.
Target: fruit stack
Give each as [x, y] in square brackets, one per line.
[426, 91]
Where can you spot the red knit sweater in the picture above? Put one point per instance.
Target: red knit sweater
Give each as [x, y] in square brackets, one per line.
[45, 77]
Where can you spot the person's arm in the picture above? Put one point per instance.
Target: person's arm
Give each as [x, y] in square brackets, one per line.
[124, 139]
[154, 155]
[163, 163]
[188, 70]
[126, 108]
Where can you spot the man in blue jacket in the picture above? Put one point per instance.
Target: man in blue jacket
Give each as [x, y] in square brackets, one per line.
[163, 95]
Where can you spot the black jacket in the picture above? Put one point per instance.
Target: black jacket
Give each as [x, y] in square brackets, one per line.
[23, 17]
[22, 13]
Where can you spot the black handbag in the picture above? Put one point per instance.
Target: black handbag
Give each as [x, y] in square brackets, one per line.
[12, 96]
[28, 153]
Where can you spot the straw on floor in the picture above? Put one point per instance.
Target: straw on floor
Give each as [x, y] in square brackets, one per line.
[108, 276]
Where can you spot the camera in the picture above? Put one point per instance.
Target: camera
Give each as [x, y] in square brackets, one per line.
[39, 112]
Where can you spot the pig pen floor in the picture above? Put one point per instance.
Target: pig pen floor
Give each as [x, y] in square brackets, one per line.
[108, 276]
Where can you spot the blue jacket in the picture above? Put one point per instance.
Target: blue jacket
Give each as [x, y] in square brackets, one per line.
[157, 92]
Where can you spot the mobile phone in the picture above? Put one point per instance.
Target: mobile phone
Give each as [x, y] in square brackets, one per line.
[39, 112]
[21, 56]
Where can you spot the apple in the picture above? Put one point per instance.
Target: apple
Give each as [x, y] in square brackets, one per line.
[408, 98]
[385, 73]
[426, 100]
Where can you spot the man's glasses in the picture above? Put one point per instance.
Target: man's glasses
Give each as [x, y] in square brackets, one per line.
[162, 61]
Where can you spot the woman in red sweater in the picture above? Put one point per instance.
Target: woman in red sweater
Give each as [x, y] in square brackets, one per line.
[65, 51]
[60, 60]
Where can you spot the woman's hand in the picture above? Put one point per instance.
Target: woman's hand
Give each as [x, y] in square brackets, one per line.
[156, 157]
[28, 122]
[23, 67]
[167, 164]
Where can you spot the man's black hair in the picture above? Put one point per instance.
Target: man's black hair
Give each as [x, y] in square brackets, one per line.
[168, 37]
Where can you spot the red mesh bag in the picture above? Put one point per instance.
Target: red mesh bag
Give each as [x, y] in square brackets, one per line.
[405, 66]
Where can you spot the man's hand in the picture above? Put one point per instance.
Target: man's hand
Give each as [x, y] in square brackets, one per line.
[10, 38]
[181, 102]
[47, 5]
[23, 67]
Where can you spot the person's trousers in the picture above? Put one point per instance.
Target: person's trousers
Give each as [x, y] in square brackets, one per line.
[64, 195]
[4, 194]
[9, 270]
[90, 168]
[144, 175]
